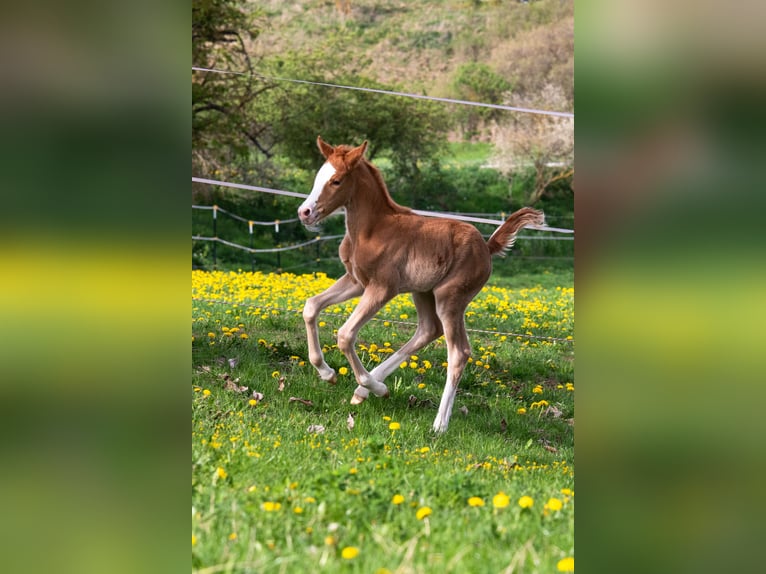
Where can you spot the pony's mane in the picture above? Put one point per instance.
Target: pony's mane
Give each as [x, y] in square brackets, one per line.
[379, 180]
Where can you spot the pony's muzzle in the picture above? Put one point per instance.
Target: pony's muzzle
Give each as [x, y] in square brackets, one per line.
[307, 214]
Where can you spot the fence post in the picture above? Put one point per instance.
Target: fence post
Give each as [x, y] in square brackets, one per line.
[215, 234]
[252, 254]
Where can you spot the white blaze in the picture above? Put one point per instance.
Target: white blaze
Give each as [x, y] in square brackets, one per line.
[324, 175]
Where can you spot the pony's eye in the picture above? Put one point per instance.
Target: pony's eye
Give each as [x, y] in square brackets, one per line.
[335, 182]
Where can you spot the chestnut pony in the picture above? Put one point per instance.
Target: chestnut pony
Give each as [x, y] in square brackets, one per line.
[388, 250]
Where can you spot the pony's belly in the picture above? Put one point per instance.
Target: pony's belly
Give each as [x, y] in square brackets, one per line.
[421, 275]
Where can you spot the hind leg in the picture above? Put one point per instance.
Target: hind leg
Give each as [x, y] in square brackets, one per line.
[451, 310]
[458, 351]
[429, 328]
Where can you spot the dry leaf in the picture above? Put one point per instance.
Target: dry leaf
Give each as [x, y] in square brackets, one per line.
[550, 448]
[318, 429]
[281, 386]
[233, 362]
[204, 369]
[303, 401]
[464, 410]
[503, 425]
[257, 396]
[233, 386]
[412, 401]
[350, 421]
[553, 411]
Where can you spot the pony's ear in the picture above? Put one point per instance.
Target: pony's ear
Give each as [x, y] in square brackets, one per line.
[353, 157]
[326, 149]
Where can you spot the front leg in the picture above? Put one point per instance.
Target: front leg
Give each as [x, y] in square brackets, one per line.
[343, 289]
[372, 301]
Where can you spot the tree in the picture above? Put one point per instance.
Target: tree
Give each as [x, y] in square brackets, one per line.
[544, 143]
[405, 130]
[476, 82]
[222, 125]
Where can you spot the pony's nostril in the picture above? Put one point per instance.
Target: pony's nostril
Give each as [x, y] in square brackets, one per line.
[305, 212]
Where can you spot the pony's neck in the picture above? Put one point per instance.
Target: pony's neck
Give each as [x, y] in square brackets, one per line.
[370, 200]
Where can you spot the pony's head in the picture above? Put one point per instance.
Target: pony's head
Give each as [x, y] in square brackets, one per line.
[332, 187]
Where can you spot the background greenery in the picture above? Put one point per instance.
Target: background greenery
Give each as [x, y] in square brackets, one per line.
[257, 129]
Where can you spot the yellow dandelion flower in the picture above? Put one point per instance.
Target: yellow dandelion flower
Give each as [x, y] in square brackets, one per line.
[565, 564]
[309, 500]
[343, 371]
[233, 536]
[500, 500]
[403, 365]
[526, 502]
[271, 506]
[252, 402]
[567, 492]
[206, 392]
[521, 411]
[275, 375]
[413, 365]
[475, 501]
[554, 504]
[386, 418]
[244, 336]
[322, 324]
[349, 552]
[422, 512]
[194, 540]
[421, 385]
[352, 470]
[329, 540]
[298, 510]
[537, 390]
[221, 472]
[397, 499]
[425, 449]
[394, 426]
[404, 316]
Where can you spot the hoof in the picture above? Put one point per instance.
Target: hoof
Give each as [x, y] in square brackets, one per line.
[333, 380]
[357, 399]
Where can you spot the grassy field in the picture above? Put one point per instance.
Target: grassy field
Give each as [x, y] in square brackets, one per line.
[295, 479]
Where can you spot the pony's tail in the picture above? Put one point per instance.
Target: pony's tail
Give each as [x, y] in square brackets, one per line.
[505, 236]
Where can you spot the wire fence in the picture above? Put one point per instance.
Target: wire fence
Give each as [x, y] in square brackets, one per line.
[392, 93]
[279, 249]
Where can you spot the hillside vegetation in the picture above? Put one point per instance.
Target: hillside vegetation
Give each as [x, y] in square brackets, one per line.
[424, 44]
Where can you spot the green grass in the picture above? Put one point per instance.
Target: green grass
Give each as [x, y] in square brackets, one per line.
[468, 153]
[289, 500]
